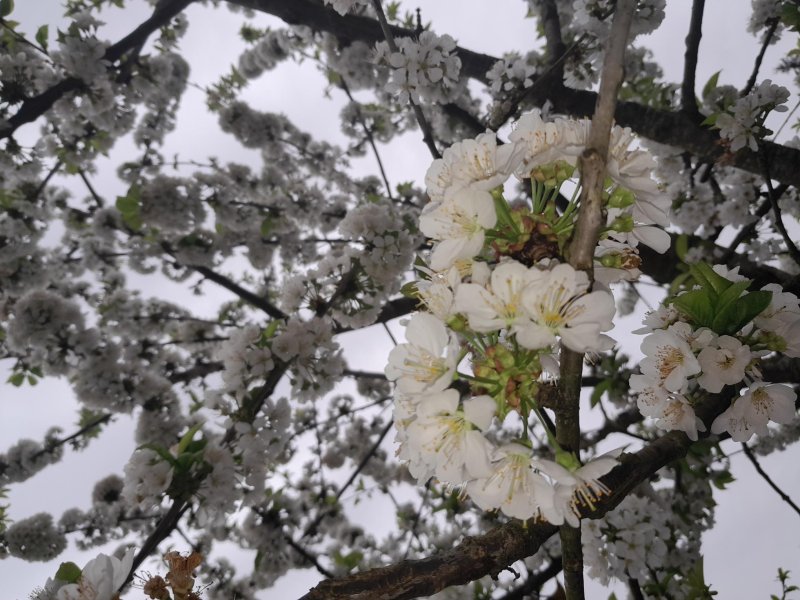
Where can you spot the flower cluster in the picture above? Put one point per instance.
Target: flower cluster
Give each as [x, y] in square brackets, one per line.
[712, 337]
[742, 123]
[426, 69]
[496, 289]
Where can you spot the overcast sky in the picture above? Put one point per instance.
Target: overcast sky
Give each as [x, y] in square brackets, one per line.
[755, 533]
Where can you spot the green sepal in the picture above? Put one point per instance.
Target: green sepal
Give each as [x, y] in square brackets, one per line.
[410, 290]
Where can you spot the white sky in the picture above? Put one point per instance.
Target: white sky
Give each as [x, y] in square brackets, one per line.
[756, 532]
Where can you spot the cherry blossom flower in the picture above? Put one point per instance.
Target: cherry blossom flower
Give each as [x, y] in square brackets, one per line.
[499, 305]
[100, 578]
[478, 163]
[428, 361]
[782, 318]
[760, 403]
[723, 365]
[651, 399]
[458, 225]
[444, 441]
[668, 360]
[514, 487]
[557, 304]
[679, 415]
[578, 488]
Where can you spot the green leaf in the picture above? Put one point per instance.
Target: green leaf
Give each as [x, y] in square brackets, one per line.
[162, 452]
[732, 294]
[790, 15]
[722, 479]
[709, 278]
[187, 438]
[130, 202]
[711, 84]
[598, 391]
[69, 572]
[746, 309]
[349, 561]
[41, 36]
[266, 227]
[725, 317]
[17, 379]
[711, 119]
[697, 306]
[6, 8]
[682, 246]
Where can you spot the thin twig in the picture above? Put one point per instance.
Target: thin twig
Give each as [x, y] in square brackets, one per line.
[308, 556]
[776, 211]
[368, 134]
[312, 527]
[783, 495]
[427, 132]
[688, 99]
[534, 582]
[95, 196]
[86, 428]
[773, 25]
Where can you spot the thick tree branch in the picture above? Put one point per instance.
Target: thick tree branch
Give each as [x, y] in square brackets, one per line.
[688, 99]
[581, 257]
[551, 25]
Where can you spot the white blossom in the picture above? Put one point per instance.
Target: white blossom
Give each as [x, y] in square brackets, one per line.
[427, 362]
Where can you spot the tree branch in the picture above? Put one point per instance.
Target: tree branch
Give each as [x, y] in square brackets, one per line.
[534, 582]
[551, 25]
[246, 295]
[581, 257]
[311, 529]
[688, 99]
[776, 211]
[784, 496]
[368, 133]
[751, 82]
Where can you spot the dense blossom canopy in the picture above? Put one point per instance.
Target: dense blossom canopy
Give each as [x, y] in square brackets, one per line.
[244, 312]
